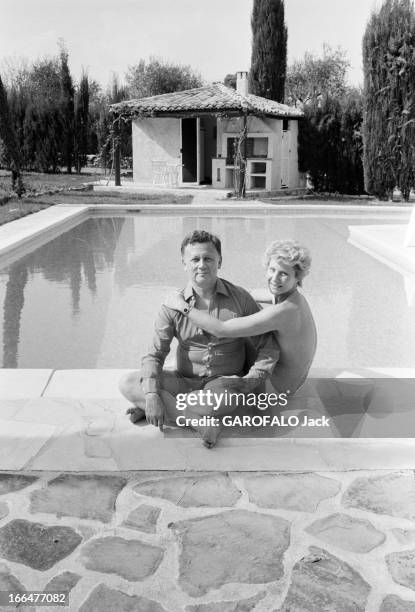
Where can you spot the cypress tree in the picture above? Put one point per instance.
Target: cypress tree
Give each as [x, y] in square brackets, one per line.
[81, 123]
[67, 110]
[43, 126]
[8, 137]
[351, 145]
[330, 144]
[389, 105]
[269, 50]
[17, 107]
[30, 136]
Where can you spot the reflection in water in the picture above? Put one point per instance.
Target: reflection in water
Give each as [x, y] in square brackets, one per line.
[66, 260]
[91, 296]
[82, 251]
[13, 306]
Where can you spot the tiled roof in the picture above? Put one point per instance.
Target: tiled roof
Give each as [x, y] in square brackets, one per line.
[216, 98]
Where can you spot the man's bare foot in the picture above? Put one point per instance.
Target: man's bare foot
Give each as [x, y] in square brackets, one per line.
[209, 434]
[136, 414]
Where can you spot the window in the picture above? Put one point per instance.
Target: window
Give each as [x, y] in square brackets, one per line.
[285, 125]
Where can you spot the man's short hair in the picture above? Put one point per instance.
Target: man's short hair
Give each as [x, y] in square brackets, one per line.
[200, 236]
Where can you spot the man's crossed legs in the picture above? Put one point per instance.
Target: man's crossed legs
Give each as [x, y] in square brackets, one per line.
[225, 394]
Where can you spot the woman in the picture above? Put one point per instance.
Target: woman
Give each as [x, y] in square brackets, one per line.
[289, 316]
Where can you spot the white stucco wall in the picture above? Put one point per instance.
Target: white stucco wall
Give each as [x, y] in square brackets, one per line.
[154, 139]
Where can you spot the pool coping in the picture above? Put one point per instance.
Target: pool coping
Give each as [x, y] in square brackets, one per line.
[55, 219]
[74, 420]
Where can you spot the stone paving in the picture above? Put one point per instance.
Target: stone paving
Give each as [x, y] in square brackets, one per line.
[173, 541]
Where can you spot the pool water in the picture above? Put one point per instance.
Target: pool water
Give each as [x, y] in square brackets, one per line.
[88, 298]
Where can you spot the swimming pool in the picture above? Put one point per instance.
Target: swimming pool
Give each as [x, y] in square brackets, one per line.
[88, 298]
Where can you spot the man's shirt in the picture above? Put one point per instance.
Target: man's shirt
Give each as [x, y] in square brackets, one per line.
[202, 355]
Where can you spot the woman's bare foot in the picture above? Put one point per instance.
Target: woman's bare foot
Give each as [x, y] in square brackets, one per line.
[209, 434]
[136, 414]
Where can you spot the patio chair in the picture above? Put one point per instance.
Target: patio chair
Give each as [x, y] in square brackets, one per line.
[173, 174]
[160, 172]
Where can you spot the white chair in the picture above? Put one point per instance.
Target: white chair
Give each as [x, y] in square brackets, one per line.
[173, 174]
[160, 172]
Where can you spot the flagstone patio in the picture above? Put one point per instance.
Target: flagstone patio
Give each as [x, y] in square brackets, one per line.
[209, 541]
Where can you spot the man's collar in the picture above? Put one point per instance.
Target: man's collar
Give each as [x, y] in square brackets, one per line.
[220, 288]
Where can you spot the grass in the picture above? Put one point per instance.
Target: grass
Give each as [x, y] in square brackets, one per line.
[114, 198]
[39, 189]
[37, 182]
[15, 209]
[44, 190]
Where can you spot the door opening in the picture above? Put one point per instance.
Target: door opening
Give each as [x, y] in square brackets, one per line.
[189, 150]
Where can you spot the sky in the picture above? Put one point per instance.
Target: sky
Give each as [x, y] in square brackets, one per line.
[106, 36]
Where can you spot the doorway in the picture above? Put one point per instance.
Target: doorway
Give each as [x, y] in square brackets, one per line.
[189, 150]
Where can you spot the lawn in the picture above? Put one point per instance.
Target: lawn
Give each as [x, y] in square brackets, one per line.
[44, 190]
[39, 188]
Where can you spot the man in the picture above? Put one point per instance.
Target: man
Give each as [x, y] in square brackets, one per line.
[204, 362]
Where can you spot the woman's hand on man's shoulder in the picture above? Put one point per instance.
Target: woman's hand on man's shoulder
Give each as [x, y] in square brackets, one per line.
[175, 300]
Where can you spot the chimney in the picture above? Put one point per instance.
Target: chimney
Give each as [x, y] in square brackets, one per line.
[242, 82]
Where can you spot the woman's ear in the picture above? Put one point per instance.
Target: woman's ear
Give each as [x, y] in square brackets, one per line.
[220, 262]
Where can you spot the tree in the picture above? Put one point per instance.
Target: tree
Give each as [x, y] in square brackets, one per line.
[352, 141]
[42, 122]
[34, 93]
[330, 138]
[14, 72]
[313, 77]
[42, 136]
[81, 123]
[269, 50]
[158, 76]
[389, 107]
[17, 106]
[97, 109]
[67, 109]
[44, 79]
[330, 144]
[8, 137]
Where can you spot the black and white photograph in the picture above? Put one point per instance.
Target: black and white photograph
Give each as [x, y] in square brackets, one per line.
[207, 305]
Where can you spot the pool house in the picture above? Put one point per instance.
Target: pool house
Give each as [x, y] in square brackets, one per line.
[199, 137]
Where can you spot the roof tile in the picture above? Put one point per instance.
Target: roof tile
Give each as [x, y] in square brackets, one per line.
[216, 98]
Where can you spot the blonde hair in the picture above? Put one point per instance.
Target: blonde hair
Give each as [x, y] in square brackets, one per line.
[291, 253]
